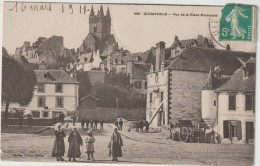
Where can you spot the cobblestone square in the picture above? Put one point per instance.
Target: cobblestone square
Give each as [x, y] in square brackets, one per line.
[142, 148]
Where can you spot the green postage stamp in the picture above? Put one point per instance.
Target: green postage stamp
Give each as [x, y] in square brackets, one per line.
[236, 23]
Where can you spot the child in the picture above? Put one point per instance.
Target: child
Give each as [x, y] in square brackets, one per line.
[90, 145]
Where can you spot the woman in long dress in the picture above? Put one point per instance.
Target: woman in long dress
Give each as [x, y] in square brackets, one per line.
[90, 140]
[233, 17]
[59, 146]
[115, 145]
[75, 141]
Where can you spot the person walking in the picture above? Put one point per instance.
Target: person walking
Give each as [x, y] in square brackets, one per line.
[59, 146]
[89, 148]
[120, 124]
[115, 145]
[75, 141]
[101, 124]
[116, 123]
[29, 120]
[147, 126]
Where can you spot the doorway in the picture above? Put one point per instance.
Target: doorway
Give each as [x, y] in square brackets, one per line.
[250, 131]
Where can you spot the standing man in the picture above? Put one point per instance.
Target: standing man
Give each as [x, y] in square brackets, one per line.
[96, 122]
[141, 125]
[101, 124]
[74, 118]
[91, 124]
[115, 145]
[116, 123]
[82, 123]
[120, 124]
[87, 123]
[29, 120]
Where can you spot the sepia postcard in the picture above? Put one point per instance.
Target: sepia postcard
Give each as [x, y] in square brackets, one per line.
[112, 83]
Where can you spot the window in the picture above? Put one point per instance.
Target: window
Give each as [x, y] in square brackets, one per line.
[161, 96]
[35, 114]
[215, 102]
[41, 88]
[138, 84]
[59, 101]
[41, 101]
[45, 114]
[151, 97]
[250, 102]
[232, 102]
[145, 85]
[58, 88]
[232, 128]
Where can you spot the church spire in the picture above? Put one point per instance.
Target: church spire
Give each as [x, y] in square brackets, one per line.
[108, 12]
[101, 11]
[92, 13]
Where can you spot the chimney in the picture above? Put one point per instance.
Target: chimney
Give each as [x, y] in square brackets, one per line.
[160, 55]
[42, 66]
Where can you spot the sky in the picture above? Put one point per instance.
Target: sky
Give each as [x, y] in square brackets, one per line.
[137, 33]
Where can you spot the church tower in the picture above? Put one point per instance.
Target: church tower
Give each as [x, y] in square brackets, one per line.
[100, 24]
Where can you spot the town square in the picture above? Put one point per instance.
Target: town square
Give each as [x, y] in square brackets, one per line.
[128, 84]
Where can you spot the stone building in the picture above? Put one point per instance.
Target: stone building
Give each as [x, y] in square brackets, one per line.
[99, 36]
[49, 50]
[174, 86]
[228, 105]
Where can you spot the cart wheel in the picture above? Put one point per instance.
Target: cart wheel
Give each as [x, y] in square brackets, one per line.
[184, 134]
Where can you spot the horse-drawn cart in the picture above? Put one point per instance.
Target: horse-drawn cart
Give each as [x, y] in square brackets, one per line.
[184, 131]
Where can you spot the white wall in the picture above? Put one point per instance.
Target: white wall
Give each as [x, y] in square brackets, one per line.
[162, 85]
[69, 93]
[239, 114]
[208, 110]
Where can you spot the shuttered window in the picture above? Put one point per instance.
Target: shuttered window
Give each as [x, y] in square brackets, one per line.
[232, 102]
[58, 88]
[151, 97]
[226, 128]
[41, 101]
[250, 102]
[41, 88]
[233, 129]
[60, 102]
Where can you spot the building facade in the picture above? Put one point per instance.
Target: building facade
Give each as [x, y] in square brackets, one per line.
[231, 111]
[185, 76]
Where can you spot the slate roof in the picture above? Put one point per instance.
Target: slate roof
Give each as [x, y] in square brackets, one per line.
[140, 70]
[182, 43]
[53, 76]
[203, 59]
[237, 82]
[149, 56]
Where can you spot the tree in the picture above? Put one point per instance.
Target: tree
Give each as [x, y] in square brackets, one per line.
[18, 81]
[85, 86]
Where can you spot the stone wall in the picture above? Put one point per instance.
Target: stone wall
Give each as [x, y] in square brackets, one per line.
[185, 95]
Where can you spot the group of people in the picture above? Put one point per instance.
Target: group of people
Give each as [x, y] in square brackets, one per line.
[29, 120]
[75, 141]
[119, 124]
[93, 124]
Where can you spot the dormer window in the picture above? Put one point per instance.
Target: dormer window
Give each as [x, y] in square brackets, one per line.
[85, 59]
